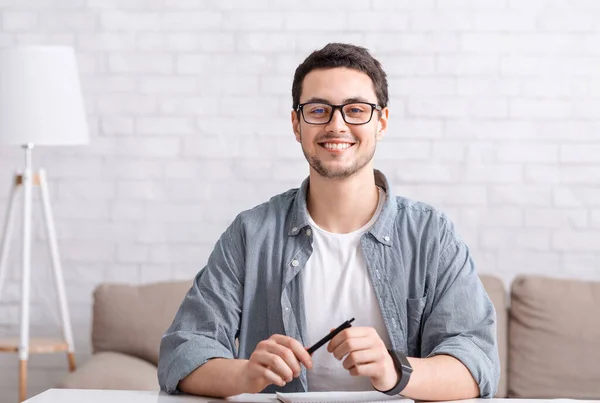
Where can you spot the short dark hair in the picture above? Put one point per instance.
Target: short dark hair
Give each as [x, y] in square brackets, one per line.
[342, 55]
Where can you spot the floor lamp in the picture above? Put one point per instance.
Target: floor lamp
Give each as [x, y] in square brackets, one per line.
[40, 105]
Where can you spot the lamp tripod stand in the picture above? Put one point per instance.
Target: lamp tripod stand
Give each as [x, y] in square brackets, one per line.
[24, 345]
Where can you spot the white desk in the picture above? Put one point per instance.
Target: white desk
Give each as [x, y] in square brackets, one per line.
[127, 396]
[134, 396]
[111, 396]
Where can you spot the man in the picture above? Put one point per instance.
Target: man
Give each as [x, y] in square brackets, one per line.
[341, 246]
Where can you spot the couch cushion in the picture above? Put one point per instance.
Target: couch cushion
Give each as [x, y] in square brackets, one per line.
[495, 289]
[113, 371]
[132, 319]
[554, 338]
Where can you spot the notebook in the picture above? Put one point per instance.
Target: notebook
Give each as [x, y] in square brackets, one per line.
[341, 397]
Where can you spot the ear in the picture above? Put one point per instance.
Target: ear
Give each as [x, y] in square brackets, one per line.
[382, 124]
[296, 125]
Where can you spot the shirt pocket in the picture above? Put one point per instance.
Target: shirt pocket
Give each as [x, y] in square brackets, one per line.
[414, 312]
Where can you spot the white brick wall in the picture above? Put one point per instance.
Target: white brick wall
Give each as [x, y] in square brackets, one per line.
[495, 118]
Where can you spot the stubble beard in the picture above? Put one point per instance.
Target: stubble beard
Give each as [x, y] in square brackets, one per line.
[320, 167]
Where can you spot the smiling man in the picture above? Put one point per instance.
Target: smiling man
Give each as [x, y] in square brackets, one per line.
[341, 246]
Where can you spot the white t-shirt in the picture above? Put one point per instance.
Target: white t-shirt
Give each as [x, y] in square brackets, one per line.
[337, 287]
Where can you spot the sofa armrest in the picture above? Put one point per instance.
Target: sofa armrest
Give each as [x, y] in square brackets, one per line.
[110, 370]
[554, 338]
[131, 319]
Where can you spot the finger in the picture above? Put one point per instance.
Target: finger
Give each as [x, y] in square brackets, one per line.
[351, 345]
[276, 364]
[272, 378]
[265, 375]
[287, 355]
[353, 332]
[362, 357]
[348, 333]
[369, 370]
[297, 348]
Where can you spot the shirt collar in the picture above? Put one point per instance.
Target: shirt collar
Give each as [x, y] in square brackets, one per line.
[381, 230]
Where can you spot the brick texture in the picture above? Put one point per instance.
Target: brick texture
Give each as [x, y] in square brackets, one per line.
[495, 119]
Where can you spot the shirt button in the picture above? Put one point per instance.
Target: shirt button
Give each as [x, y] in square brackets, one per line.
[386, 238]
[294, 229]
[308, 232]
[295, 263]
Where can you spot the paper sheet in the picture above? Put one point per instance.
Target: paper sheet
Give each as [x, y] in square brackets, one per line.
[334, 397]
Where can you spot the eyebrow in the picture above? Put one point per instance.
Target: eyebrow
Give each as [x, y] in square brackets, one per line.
[345, 101]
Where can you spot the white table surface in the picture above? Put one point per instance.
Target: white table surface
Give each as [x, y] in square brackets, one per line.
[112, 396]
[129, 396]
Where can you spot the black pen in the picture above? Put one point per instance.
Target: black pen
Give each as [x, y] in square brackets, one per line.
[330, 336]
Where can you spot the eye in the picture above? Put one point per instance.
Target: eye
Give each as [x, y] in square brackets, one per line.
[355, 109]
[317, 109]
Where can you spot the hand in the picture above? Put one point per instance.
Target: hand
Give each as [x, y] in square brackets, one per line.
[366, 355]
[274, 361]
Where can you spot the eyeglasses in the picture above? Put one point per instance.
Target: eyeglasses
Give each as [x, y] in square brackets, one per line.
[354, 113]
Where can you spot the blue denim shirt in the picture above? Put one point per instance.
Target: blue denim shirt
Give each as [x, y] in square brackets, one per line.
[430, 296]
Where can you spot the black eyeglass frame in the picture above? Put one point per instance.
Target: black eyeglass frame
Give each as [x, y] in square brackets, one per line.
[374, 107]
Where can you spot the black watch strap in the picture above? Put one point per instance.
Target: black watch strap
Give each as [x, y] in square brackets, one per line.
[404, 370]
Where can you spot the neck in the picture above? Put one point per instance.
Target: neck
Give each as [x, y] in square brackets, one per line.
[342, 206]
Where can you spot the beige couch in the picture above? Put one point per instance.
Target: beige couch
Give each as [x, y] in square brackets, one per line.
[549, 338]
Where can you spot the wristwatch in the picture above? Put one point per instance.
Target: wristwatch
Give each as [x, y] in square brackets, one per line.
[404, 370]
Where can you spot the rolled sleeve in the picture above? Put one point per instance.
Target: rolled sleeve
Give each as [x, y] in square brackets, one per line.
[462, 319]
[186, 357]
[207, 322]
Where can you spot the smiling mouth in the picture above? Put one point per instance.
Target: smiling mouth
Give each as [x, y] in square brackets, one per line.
[336, 146]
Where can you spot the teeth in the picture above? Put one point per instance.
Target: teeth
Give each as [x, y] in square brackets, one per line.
[337, 146]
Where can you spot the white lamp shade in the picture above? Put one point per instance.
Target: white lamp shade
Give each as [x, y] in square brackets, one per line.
[40, 97]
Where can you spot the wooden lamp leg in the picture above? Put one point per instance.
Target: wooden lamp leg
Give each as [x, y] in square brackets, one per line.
[22, 380]
[71, 357]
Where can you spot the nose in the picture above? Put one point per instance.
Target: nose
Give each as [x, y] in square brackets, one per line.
[337, 123]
